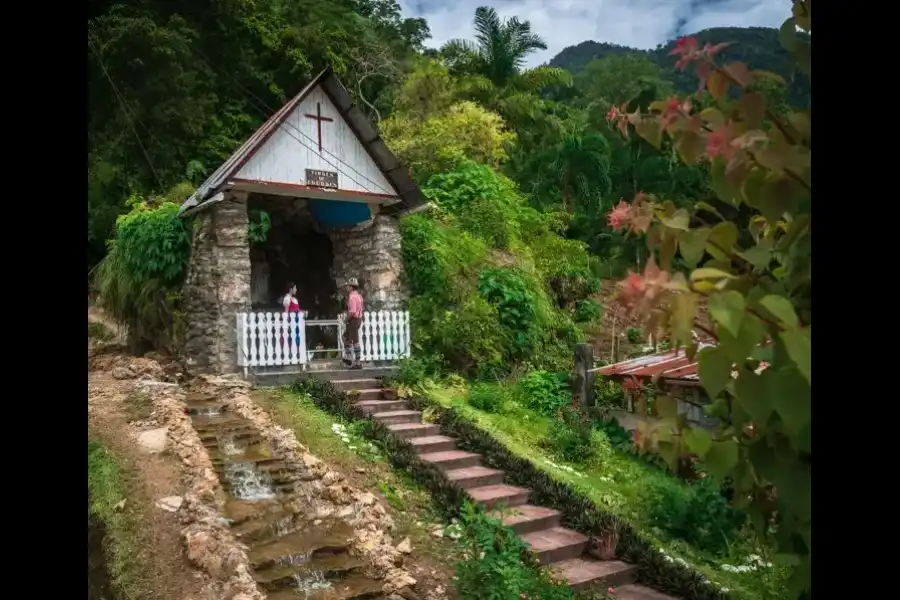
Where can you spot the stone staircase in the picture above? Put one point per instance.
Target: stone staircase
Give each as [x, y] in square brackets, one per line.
[558, 547]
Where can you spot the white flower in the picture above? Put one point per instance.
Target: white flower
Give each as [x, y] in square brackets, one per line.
[724, 590]
[754, 558]
[729, 568]
[681, 561]
[352, 447]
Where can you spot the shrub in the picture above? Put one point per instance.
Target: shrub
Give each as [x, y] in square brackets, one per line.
[485, 202]
[696, 513]
[544, 392]
[509, 290]
[484, 270]
[587, 310]
[618, 436]
[571, 436]
[493, 568]
[416, 369]
[633, 334]
[443, 141]
[468, 338]
[99, 331]
[608, 394]
[139, 280]
[487, 397]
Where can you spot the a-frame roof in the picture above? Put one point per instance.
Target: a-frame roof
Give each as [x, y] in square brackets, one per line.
[367, 134]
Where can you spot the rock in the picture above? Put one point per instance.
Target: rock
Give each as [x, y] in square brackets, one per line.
[360, 470]
[405, 546]
[153, 440]
[214, 565]
[332, 477]
[197, 545]
[170, 503]
[122, 373]
[438, 533]
[339, 494]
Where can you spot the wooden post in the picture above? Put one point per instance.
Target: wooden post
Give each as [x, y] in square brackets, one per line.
[583, 377]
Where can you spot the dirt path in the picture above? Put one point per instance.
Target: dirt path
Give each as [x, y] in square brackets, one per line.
[115, 416]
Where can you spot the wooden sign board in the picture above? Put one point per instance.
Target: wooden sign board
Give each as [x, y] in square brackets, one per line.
[322, 179]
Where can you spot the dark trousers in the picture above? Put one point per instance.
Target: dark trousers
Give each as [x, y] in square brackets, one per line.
[351, 332]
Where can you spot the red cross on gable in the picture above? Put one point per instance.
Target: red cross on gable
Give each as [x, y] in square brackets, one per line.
[319, 118]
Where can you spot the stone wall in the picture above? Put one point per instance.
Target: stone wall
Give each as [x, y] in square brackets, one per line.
[370, 252]
[217, 285]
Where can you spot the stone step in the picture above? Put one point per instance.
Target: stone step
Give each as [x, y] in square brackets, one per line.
[357, 586]
[395, 417]
[255, 532]
[452, 459]
[345, 385]
[219, 423]
[242, 511]
[334, 567]
[527, 518]
[634, 591]
[298, 543]
[281, 480]
[556, 544]
[341, 373]
[369, 394]
[219, 458]
[369, 407]
[493, 496]
[212, 433]
[413, 430]
[470, 477]
[583, 572]
[433, 443]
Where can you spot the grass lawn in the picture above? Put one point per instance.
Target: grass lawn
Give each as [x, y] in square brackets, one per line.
[108, 493]
[340, 445]
[618, 482]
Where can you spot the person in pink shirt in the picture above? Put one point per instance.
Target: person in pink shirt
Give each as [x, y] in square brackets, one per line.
[355, 308]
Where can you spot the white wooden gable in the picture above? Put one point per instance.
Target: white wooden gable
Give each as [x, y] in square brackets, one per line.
[293, 148]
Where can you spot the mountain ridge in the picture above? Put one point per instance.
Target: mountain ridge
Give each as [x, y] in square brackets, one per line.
[758, 47]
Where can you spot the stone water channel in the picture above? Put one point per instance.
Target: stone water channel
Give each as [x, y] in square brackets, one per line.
[292, 555]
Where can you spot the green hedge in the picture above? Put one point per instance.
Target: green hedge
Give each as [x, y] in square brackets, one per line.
[578, 511]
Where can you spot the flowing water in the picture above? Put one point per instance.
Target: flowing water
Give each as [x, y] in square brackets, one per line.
[290, 557]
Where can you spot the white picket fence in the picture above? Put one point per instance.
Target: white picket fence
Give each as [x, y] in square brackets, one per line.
[384, 335]
[275, 338]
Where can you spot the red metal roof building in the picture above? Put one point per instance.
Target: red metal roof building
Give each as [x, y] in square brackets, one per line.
[670, 367]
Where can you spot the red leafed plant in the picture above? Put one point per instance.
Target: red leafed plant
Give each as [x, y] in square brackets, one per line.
[754, 274]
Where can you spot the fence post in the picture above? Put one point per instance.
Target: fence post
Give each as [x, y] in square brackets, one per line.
[582, 377]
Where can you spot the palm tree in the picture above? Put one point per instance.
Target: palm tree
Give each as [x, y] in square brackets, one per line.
[490, 68]
[574, 170]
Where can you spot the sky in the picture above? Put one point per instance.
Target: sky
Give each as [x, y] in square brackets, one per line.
[636, 23]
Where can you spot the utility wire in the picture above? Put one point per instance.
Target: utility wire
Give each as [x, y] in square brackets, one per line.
[127, 113]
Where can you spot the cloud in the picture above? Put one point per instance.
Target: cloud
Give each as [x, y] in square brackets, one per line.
[636, 23]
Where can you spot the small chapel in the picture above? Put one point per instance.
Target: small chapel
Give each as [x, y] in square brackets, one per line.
[327, 191]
